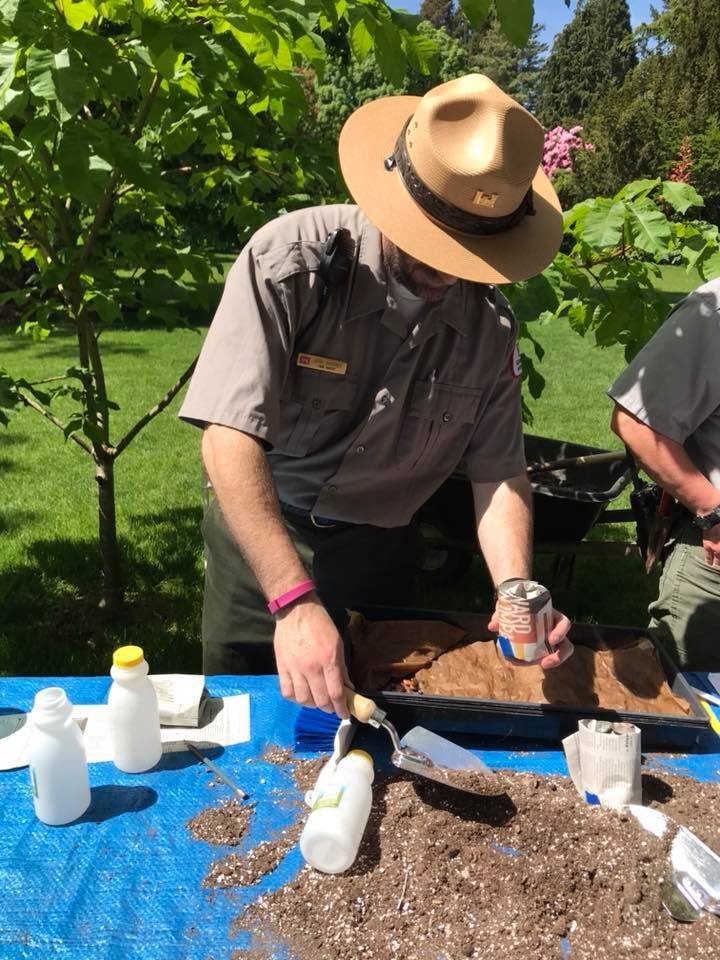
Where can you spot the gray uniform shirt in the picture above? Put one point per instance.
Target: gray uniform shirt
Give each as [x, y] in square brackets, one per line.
[673, 384]
[367, 408]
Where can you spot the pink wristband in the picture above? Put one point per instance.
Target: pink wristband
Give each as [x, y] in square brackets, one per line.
[285, 599]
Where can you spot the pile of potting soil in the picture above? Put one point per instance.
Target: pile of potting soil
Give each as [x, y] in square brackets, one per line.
[441, 875]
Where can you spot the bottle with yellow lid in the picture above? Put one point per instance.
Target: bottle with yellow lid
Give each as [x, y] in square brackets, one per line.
[340, 806]
[134, 719]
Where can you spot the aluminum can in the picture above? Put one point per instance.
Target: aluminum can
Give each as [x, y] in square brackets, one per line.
[525, 614]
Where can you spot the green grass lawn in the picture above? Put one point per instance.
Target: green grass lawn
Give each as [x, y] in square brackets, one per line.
[49, 567]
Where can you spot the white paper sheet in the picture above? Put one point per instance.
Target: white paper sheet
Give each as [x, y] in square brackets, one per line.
[181, 698]
[226, 720]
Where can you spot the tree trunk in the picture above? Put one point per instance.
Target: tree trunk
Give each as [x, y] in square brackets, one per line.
[113, 591]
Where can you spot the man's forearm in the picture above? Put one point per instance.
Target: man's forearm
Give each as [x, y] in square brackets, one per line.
[667, 463]
[241, 478]
[504, 526]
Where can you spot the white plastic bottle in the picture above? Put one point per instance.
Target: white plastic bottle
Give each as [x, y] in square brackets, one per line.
[134, 719]
[58, 764]
[341, 804]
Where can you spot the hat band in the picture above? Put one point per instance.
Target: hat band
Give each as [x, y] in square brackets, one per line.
[447, 214]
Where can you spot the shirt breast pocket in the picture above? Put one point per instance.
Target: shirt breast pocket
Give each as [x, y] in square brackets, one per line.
[439, 423]
[317, 407]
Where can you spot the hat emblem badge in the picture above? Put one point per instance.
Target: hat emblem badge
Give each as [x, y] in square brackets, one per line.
[482, 199]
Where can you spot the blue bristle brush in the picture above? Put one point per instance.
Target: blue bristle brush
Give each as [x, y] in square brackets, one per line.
[314, 730]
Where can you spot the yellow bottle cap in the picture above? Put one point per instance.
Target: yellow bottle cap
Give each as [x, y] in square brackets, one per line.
[127, 657]
[361, 753]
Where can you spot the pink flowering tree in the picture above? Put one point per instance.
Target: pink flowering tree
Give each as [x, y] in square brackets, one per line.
[558, 149]
[681, 170]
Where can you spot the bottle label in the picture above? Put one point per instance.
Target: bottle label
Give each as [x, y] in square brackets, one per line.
[33, 783]
[329, 797]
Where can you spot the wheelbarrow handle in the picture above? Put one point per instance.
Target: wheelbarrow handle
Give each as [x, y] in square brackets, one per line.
[609, 456]
[363, 708]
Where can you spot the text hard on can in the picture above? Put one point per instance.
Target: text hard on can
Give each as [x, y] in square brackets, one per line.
[525, 614]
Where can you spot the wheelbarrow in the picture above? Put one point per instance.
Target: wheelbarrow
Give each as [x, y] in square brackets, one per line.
[567, 503]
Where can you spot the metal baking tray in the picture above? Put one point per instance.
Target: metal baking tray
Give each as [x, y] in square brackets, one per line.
[512, 720]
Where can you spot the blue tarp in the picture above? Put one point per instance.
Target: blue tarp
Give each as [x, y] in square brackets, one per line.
[125, 881]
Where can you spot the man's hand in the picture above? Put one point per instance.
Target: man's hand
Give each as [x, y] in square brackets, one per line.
[562, 647]
[309, 656]
[711, 545]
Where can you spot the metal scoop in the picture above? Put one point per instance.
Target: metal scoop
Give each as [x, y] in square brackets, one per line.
[694, 883]
[425, 753]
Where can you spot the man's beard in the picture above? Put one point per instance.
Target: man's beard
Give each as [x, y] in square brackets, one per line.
[413, 275]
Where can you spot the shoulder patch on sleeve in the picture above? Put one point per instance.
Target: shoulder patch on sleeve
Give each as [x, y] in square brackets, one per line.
[516, 362]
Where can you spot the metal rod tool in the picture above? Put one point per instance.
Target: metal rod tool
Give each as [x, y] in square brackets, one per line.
[216, 770]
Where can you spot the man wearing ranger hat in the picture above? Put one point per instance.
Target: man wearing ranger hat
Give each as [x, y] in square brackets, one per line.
[358, 355]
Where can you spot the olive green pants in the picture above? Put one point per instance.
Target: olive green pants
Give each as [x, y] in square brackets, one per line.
[350, 566]
[686, 615]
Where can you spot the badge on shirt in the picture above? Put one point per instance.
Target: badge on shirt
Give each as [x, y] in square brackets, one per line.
[326, 364]
[516, 363]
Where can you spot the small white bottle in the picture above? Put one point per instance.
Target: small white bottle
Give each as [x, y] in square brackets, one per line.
[341, 804]
[134, 719]
[57, 759]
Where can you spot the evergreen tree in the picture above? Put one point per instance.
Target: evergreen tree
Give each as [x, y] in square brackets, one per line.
[691, 29]
[592, 54]
[516, 70]
[671, 94]
[347, 85]
[440, 13]
[634, 132]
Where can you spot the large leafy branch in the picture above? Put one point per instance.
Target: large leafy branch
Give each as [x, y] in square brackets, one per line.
[604, 280]
[115, 116]
[111, 114]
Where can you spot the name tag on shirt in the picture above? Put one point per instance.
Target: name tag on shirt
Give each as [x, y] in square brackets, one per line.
[326, 364]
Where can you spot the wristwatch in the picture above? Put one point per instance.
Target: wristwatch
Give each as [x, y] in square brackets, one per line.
[708, 520]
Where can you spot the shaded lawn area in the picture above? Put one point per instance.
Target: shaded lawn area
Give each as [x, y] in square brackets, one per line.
[49, 566]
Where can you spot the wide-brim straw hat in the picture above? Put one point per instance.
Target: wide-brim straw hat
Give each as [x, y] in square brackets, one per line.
[454, 179]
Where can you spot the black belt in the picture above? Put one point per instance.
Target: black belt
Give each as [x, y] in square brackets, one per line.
[322, 523]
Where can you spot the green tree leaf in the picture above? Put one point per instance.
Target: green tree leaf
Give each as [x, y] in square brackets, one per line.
[476, 11]
[516, 19]
[82, 174]
[637, 189]
[106, 307]
[8, 59]
[578, 315]
[77, 13]
[533, 297]
[710, 266]
[57, 77]
[533, 378]
[650, 228]
[603, 225]
[388, 50]
[72, 425]
[680, 196]
[8, 10]
[361, 40]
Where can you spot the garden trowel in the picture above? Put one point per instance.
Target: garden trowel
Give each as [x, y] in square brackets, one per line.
[425, 753]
